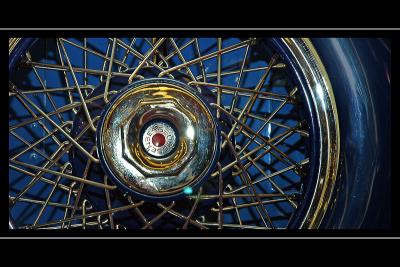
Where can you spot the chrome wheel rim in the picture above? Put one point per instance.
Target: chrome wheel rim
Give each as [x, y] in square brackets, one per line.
[219, 200]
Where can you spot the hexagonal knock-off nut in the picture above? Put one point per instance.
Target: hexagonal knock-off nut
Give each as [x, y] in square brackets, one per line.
[157, 137]
[153, 118]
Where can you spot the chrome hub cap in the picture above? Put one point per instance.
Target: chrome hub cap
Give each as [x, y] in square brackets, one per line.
[158, 137]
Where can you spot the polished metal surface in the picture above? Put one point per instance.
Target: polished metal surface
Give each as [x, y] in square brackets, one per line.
[159, 136]
[329, 135]
[159, 107]
[12, 43]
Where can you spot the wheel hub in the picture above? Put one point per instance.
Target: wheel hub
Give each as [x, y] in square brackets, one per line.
[158, 137]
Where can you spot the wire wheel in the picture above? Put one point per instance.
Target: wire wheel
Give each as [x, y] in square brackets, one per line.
[130, 133]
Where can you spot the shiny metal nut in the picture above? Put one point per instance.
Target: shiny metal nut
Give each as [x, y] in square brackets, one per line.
[186, 145]
[158, 111]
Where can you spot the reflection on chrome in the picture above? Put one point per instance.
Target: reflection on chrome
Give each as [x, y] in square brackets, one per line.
[209, 142]
[155, 122]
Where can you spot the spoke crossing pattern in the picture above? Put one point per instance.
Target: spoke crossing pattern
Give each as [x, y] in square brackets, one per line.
[259, 186]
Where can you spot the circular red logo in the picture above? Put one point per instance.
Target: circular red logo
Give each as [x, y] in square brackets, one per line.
[158, 140]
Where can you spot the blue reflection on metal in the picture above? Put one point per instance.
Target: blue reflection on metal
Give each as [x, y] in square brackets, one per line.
[358, 69]
[188, 190]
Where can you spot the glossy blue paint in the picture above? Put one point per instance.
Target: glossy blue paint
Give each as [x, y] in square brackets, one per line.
[359, 70]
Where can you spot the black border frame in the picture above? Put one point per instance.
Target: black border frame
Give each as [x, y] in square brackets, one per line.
[392, 34]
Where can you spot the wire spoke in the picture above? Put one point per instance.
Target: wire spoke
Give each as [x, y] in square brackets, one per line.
[89, 215]
[93, 52]
[50, 195]
[247, 180]
[85, 108]
[193, 209]
[256, 183]
[250, 102]
[110, 70]
[208, 56]
[145, 59]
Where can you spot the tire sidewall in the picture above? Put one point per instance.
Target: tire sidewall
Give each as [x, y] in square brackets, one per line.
[359, 71]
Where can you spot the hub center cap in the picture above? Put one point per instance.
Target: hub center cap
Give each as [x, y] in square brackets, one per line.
[158, 137]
